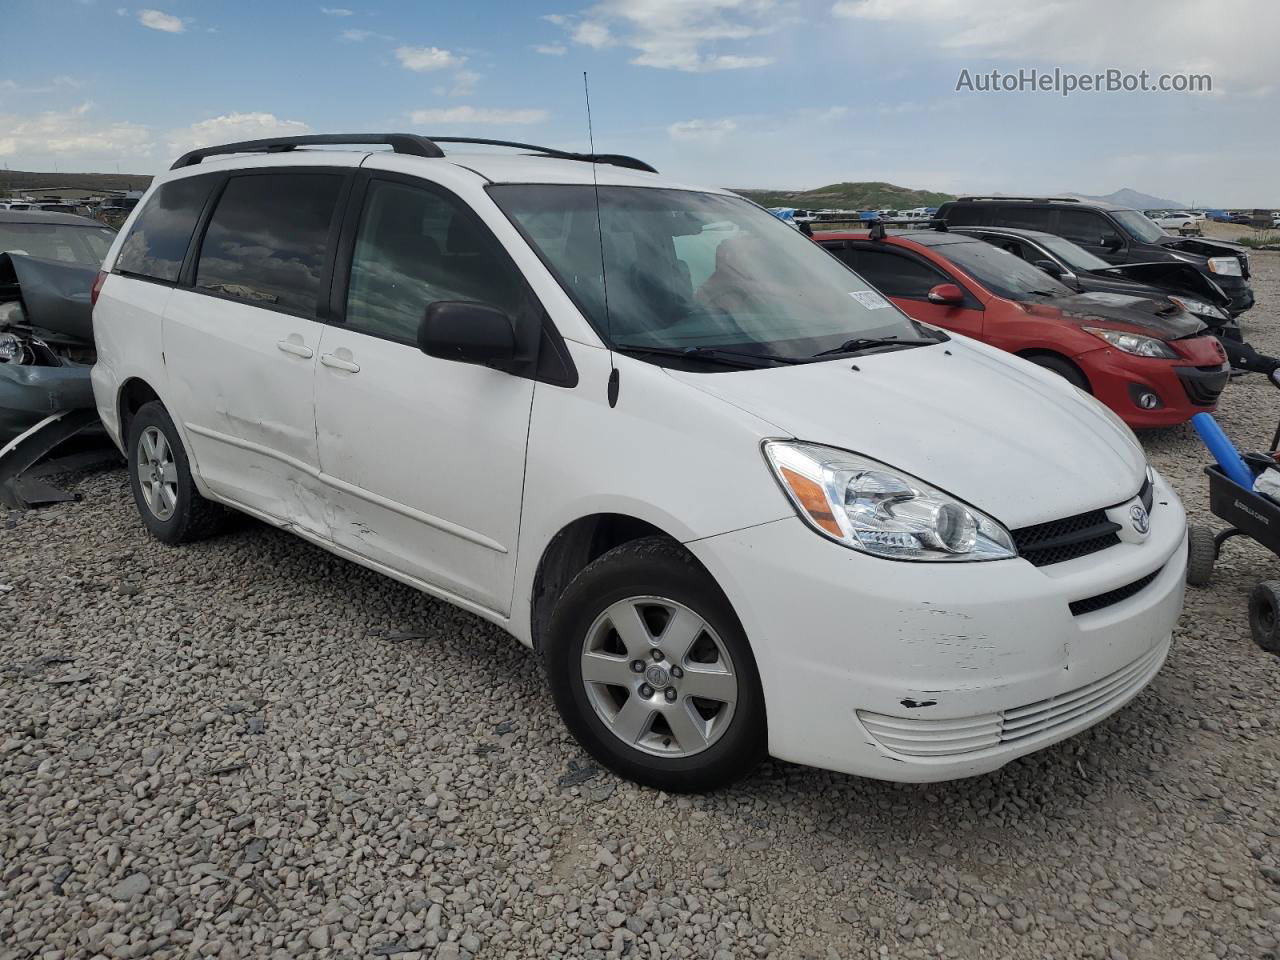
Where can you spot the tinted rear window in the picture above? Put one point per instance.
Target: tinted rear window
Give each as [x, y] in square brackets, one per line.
[268, 238]
[158, 240]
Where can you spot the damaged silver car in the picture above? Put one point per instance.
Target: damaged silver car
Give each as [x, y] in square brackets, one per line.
[48, 264]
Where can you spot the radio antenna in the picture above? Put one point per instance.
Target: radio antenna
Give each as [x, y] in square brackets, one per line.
[604, 277]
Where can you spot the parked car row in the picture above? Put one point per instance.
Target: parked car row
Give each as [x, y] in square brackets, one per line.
[738, 500]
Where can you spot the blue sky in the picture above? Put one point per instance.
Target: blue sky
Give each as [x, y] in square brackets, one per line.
[746, 93]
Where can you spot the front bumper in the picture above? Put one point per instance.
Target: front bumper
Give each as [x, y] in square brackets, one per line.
[29, 393]
[850, 646]
[1184, 387]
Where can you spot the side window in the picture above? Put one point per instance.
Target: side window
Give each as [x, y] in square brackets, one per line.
[415, 247]
[267, 239]
[1011, 245]
[893, 274]
[1083, 226]
[1027, 218]
[966, 215]
[158, 241]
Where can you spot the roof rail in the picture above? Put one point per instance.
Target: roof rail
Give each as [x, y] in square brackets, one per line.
[1033, 199]
[408, 143]
[612, 159]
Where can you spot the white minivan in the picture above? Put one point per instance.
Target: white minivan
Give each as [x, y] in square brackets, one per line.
[738, 502]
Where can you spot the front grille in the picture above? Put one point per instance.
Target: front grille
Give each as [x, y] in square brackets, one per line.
[1022, 726]
[1059, 540]
[1203, 385]
[1103, 600]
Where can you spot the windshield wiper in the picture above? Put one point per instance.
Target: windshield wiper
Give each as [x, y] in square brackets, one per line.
[731, 358]
[859, 344]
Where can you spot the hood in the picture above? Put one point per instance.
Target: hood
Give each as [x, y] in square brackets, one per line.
[1171, 276]
[55, 294]
[1156, 316]
[998, 432]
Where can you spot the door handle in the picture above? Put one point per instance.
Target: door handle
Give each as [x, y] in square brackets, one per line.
[296, 348]
[338, 363]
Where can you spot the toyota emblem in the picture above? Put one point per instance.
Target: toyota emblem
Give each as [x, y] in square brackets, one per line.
[1138, 517]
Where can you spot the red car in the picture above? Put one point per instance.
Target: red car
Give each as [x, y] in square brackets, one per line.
[1147, 359]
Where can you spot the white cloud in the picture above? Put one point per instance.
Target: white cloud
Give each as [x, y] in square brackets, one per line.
[355, 36]
[592, 34]
[75, 131]
[231, 127]
[1182, 36]
[464, 84]
[423, 59]
[704, 131]
[122, 11]
[552, 49]
[158, 20]
[336, 11]
[453, 116]
[687, 35]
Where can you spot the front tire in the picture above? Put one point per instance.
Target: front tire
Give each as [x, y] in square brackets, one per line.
[160, 476]
[652, 672]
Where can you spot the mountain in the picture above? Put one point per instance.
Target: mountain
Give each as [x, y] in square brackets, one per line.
[849, 196]
[1128, 197]
[19, 180]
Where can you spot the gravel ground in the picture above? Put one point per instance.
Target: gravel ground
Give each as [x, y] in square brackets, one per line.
[250, 748]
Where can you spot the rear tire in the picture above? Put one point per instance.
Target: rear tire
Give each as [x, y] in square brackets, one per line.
[1264, 615]
[631, 639]
[160, 476]
[1202, 553]
[1064, 368]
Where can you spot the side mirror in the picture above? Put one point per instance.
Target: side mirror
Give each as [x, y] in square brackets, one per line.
[467, 332]
[1111, 241]
[946, 295]
[1051, 267]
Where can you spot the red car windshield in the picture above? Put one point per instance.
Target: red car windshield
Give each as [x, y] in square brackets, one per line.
[1000, 271]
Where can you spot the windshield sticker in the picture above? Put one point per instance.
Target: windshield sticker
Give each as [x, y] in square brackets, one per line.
[869, 299]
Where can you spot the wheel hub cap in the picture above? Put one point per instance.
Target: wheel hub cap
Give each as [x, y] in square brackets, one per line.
[659, 677]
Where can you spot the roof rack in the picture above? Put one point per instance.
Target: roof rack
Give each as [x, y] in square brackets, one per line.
[611, 159]
[410, 144]
[407, 143]
[1032, 199]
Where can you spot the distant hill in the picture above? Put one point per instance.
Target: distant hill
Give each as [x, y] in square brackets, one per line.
[17, 180]
[1128, 197]
[849, 196]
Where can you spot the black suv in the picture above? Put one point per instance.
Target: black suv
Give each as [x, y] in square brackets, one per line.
[1116, 234]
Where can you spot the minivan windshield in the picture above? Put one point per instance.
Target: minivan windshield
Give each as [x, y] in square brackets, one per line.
[686, 270]
[1138, 226]
[1000, 271]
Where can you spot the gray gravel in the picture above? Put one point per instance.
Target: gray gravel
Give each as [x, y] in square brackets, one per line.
[250, 748]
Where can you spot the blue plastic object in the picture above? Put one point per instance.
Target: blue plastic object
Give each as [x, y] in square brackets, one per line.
[1223, 450]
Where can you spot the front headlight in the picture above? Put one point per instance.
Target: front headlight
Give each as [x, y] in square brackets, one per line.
[1227, 266]
[1134, 343]
[13, 349]
[873, 508]
[1200, 308]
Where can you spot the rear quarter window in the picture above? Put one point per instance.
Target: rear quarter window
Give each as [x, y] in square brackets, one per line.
[158, 240]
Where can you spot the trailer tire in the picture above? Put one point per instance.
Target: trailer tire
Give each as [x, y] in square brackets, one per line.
[1202, 553]
[1264, 615]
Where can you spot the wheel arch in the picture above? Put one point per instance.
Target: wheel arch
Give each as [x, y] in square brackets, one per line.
[1032, 352]
[133, 393]
[572, 548]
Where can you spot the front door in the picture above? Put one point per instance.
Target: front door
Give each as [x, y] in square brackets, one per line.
[906, 280]
[424, 457]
